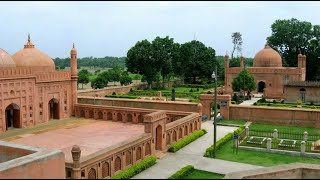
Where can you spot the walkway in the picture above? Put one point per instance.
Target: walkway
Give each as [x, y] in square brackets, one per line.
[249, 102]
[193, 154]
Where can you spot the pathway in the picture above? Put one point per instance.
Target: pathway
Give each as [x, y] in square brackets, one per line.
[249, 102]
[193, 154]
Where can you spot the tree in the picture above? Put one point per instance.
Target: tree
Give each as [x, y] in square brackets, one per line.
[195, 60]
[163, 53]
[243, 81]
[83, 76]
[237, 42]
[98, 83]
[114, 74]
[125, 79]
[291, 35]
[140, 60]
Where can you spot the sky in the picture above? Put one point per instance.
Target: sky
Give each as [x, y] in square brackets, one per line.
[111, 28]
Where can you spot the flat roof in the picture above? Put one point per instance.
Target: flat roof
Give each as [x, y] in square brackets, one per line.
[90, 137]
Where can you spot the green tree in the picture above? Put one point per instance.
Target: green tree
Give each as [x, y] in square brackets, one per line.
[125, 79]
[98, 83]
[290, 35]
[139, 60]
[83, 76]
[163, 53]
[243, 81]
[237, 42]
[114, 74]
[195, 60]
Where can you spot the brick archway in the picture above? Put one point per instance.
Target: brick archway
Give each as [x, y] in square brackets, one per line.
[159, 137]
[92, 174]
[105, 169]
[53, 109]
[13, 117]
[117, 164]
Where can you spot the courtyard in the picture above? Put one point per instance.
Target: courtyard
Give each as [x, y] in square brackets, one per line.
[90, 135]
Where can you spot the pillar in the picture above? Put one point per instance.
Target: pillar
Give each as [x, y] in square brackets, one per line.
[74, 79]
[305, 136]
[303, 147]
[242, 61]
[247, 130]
[76, 154]
[268, 143]
[275, 133]
[226, 66]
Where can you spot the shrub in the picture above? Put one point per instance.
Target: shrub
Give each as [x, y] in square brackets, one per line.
[186, 140]
[262, 100]
[235, 97]
[255, 103]
[209, 92]
[191, 90]
[233, 102]
[197, 89]
[222, 141]
[274, 101]
[136, 169]
[269, 104]
[311, 103]
[299, 102]
[182, 173]
[131, 90]
[114, 93]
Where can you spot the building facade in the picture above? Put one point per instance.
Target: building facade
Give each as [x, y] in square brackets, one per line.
[268, 72]
[32, 91]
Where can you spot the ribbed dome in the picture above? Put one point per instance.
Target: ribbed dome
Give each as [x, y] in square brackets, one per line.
[267, 57]
[6, 60]
[32, 57]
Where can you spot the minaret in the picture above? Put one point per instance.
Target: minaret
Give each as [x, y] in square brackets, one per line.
[242, 61]
[226, 66]
[74, 78]
[300, 59]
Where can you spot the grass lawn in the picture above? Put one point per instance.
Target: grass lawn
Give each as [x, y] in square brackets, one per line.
[260, 158]
[199, 174]
[236, 122]
[292, 129]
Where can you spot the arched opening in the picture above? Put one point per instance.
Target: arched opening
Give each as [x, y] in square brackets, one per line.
[138, 153]
[186, 130]
[82, 114]
[303, 94]
[109, 116]
[91, 114]
[128, 158]
[100, 115]
[261, 86]
[53, 109]
[191, 128]
[140, 118]
[92, 174]
[13, 119]
[180, 133]
[117, 164]
[159, 137]
[119, 117]
[105, 170]
[174, 136]
[148, 149]
[168, 139]
[129, 118]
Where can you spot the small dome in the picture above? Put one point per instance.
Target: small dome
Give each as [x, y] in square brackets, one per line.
[32, 57]
[267, 57]
[6, 60]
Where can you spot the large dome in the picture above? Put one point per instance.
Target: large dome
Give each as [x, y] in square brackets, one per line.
[6, 60]
[267, 57]
[32, 57]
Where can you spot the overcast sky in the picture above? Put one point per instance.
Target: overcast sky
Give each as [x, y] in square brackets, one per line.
[110, 28]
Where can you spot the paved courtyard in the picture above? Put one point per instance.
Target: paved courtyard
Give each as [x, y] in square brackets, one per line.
[193, 154]
[90, 135]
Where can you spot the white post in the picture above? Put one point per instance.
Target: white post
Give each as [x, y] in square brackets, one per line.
[275, 133]
[268, 143]
[247, 131]
[305, 136]
[303, 147]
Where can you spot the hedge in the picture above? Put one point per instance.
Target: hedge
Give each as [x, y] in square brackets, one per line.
[136, 169]
[182, 173]
[222, 141]
[186, 140]
[122, 96]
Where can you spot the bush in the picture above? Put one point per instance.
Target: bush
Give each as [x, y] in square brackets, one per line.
[269, 104]
[235, 97]
[131, 90]
[255, 103]
[122, 96]
[182, 173]
[186, 140]
[299, 102]
[136, 169]
[209, 92]
[233, 102]
[197, 89]
[262, 100]
[311, 103]
[274, 101]
[191, 90]
[222, 141]
[114, 93]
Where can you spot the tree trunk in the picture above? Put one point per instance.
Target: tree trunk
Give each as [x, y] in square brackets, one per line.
[82, 85]
[163, 84]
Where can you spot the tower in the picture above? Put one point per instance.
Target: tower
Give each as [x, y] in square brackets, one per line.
[74, 78]
[300, 60]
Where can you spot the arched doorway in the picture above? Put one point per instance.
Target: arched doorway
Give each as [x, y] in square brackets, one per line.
[159, 137]
[13, 119]
[303, 94]
[261, 86]
[53, 109]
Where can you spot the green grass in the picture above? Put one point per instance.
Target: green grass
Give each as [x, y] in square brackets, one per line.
[199, 174]
[287, 105]
[236, 122]
[292, 129]
[260, 158]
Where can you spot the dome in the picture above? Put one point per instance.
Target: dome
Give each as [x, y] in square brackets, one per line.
[6, 60]
[32, 57]
[267, 57]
